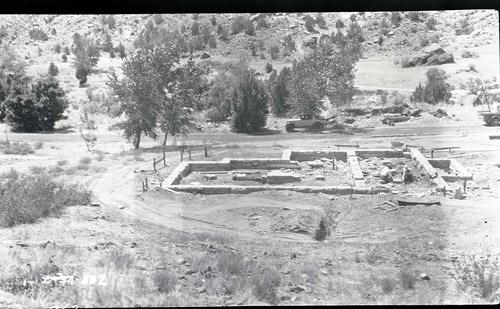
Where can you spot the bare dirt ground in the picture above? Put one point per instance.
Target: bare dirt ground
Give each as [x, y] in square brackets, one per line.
[275, 228]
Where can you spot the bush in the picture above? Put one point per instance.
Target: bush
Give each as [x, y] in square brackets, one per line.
[37, 169]
[310, 23]
[469, 54]
[407, 279]
[120, 49]
[38, 34]
[56, 169]
[322, 232]
[396, 18]
[478, 274]
[268, 68]
[18, 148]
[216, 114]
[85, 160]
[339, 24]
[240, 24]
[3, 33]
[165, 281]
[262, 23]
[81, 74]
[158, 19]
[66, 50]
[424, 42]
[53, 69]
[320, 20]
[431, 24]
[29, 198]
[266, 281]
[57, 48]
[413, 16]
[82, 167]
[388, 285]
[62, 162]
[70, 171]
[195, 28]
[39, 145]
[213, 20]
[274, 50]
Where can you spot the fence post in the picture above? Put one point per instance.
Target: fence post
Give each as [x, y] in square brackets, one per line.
[465, 185]
[432, 153]
[189, 151]
[146, 182]
[182, 153]
[154, 164]
[164, 162]
[333, 161]
[206, 152]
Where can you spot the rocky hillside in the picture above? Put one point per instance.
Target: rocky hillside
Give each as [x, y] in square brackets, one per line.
[386, 34]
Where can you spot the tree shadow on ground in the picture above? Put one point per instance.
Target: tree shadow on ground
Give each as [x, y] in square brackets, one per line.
[62, 130]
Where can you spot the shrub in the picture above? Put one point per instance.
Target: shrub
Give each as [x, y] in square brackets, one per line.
[121, 259]
[339, 24]
[249, 28]
[266, 281]
[388, 285]
[165, 281]
[274, 51]
[56, 169]
[81, 74]
[310, 23]
[3, 33]
[64, 58]
[53, 31]
[413, 16]
[424, 42]
[238, 24]
[431, 24]
[53, 69]
[38, 34]
[18, 148]
[471, 67]
[66, 50]
[57, 48]
[216, 114]
[37, 169]
[407, 279]
[262, 23]
[62, 162]
[469, 54]
[120, 49]
[320, 20]
[82, 167]
[85, 160]
[323, 231]
[479, 274]
[268, 67]
[70, 171]
[212, 42]
[39, 145]
[158, 19]
[195, 28]
[464, 23]
[213, 20]
[29, 198]
[396, 18]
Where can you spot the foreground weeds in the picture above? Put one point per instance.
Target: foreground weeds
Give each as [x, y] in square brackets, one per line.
[27, 198]
[479, 275]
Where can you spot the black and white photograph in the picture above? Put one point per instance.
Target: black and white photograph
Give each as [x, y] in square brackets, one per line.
[272, 157]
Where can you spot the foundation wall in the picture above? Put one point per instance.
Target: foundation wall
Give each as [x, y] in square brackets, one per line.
[182, 170]
[380, 153]
[266, 164]
[311, 155]
[461, 172]
[248, 189]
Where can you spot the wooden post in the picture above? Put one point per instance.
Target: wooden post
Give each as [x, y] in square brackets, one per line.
[206, 152]
[465, 185]
[444, 190]
[154, 164]
[182, 153]
[146, 178]
[432, 153]
[189, 151]
[333, 162]
[164, 162]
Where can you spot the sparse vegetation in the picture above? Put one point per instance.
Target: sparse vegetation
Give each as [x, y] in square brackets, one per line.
[407, 279]
[38, 35]
[436, 90]
[29, 198]
[16, 148]
[53, 69]
[479, 274]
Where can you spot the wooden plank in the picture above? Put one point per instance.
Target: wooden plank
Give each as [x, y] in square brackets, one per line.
[417, 201]
[494, 136]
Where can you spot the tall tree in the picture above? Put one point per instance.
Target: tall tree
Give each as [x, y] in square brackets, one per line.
[279, 91]
[143, 89]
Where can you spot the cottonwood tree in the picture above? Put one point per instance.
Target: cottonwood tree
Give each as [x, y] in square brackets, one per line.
[142, 90]
[278, 90]
[327, 71]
